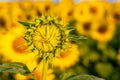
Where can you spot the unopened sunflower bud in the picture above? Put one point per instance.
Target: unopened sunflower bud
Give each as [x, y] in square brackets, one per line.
[46, 35]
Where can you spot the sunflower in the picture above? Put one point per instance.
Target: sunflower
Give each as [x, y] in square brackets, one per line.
[29, 10]
[32, 12]
[46, 35]
[44, 7]
[13, 46]
[66, 13]
[67, 58]
[56, 10]
[115, 14]
[103, 31]
[30, 16]
[84, 27]
[96, 9]
[4, 22]
[81, 12]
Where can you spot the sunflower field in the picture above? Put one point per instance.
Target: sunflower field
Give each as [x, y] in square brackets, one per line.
[94, 48]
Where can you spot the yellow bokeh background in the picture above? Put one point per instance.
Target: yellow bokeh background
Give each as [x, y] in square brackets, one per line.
[97, 20]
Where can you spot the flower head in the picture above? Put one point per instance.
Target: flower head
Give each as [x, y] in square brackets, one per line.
[103, 31]
[46, 35]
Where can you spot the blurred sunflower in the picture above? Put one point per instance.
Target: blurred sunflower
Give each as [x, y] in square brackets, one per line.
[44, 7]
[103, 31]
[81, 12]
[96, 9]
[4, 23]
[65, 14]
[32, 12]
[115, 14]
[30, 16]
[84, 27]
[57, 10]
[29, 10]
[28, 7]
[67, 58]
[13, 46]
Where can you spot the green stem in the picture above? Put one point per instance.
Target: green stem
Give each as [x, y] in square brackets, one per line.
[45, 68]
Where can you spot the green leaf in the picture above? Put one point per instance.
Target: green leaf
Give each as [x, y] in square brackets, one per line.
[15, 67]
[83, 77]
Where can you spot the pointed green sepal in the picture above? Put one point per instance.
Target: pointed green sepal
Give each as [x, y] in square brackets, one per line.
[27, 24]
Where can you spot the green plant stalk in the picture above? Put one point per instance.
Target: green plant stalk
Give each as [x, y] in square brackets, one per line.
[45, 68]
